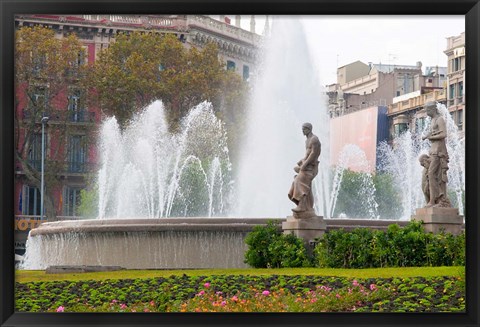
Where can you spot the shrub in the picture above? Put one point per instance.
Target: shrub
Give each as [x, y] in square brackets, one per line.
[269, 248]
[409, 246]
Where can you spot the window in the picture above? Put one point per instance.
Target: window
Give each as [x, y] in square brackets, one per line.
[398, 93]
[419, 125]
[452, 91]
[39, 98]
[76, 154]
[35, 151]
[460, 89]
[400, 128]
[455, 64]
[246, 72]
[75, 110]
[460, 119]
[71, 201]
[31, 203]
[39, 62]
[230, 65]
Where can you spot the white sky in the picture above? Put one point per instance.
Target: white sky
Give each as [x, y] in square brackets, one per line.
[403, 40]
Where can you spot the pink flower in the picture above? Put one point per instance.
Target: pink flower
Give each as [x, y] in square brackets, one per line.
[114, 301]
[207, 285]
[146, 310]
[373, 287]
[223, 303]
[201, 293]
[61, 308]
[338, 296]
[234, 298]
[152, 303]
[355, 283]
[218, 293]
[266, 293]
[123, 306]
[313, 300]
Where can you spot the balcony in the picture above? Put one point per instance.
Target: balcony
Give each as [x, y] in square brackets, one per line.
[79, 168]
[78, 116]
[416, 102]
[81, 116]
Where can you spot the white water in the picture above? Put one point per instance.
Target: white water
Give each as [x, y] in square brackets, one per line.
[148, 172]
[401, 161]
[287, 94]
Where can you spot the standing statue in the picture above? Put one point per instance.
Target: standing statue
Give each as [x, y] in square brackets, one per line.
[307, 168]
[438, 159]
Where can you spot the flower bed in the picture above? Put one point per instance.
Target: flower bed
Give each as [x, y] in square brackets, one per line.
[245, 293]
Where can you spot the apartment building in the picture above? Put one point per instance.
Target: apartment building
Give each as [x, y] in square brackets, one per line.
[456, 79]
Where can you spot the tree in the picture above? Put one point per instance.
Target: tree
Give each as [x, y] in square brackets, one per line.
[48, 70]
[139, 68]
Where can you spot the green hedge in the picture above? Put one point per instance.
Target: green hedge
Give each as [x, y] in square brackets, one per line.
[269, 248]
[409, 246]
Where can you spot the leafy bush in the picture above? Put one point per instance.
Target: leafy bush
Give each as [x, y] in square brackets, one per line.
[409, 246]
[269, 248]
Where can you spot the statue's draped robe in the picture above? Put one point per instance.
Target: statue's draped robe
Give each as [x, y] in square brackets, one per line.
[302, 185]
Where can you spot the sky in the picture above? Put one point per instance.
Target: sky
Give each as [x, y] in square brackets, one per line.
[336, 41]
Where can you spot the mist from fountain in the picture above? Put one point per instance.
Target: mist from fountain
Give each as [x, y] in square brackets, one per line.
[286, 94]
[148, 172]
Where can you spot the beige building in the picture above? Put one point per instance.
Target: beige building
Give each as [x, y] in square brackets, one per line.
[456, 79]
[379, 85]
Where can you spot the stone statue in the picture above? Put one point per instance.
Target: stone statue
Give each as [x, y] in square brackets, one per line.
[438, 159]
[307, 168]
[425, 163]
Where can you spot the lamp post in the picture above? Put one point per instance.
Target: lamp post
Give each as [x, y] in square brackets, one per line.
[44, 121]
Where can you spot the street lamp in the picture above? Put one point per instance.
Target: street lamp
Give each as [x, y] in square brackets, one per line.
[44, 121]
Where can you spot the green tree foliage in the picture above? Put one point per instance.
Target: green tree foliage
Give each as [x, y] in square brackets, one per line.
[88, 206]
[351, 203]
[139, 68]
[47, 68]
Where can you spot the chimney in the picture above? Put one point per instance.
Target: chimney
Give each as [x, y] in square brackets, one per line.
[238, 20]
[252, 24]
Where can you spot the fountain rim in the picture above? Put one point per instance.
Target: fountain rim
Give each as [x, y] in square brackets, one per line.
[187, 224]
[149, 225]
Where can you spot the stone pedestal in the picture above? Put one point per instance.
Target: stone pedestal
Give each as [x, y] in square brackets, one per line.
[437, 219]
[306, 228]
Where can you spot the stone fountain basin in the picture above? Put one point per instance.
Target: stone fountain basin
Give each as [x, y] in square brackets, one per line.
[164, 243]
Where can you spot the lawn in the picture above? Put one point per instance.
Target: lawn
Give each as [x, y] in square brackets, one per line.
[24, 276]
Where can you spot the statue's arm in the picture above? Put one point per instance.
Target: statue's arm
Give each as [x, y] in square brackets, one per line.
[441, 133]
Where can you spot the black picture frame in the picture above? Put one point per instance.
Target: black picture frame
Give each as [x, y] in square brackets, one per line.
[469, 8]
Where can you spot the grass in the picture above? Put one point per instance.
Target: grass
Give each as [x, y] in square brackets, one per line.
[24, 276]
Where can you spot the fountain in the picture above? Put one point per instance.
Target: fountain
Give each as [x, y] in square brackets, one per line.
[286, 95]
[148, 172]
[175, 200]
[401, 161]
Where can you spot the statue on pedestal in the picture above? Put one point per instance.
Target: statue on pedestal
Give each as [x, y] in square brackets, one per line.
[307, 168]
[436, 163]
